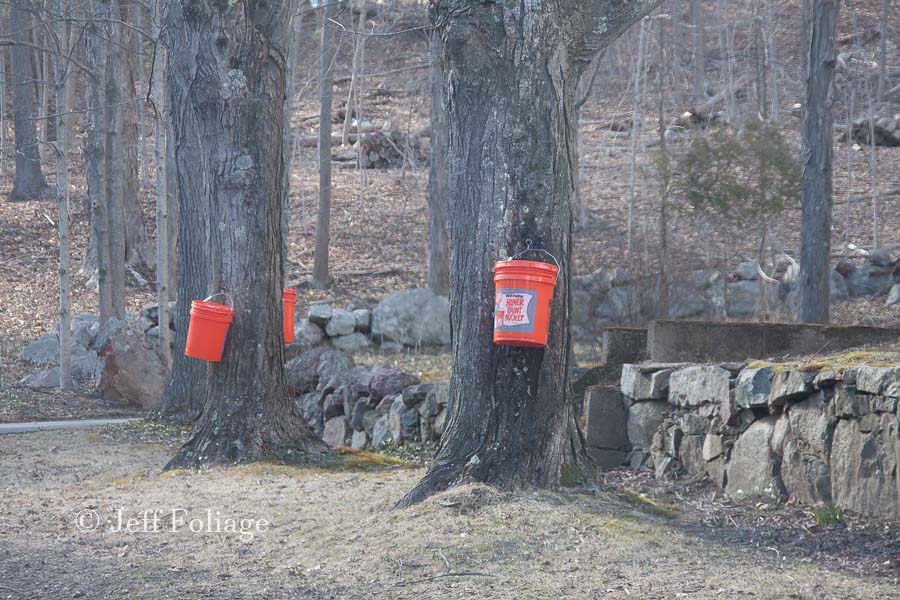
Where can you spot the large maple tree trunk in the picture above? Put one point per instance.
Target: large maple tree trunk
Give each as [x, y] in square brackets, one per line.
[227, 80]
[29, 182]
[512, 74]
[820, 33]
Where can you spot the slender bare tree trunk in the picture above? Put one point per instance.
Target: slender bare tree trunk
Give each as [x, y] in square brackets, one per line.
[162, 205]
[95, 156]
[138, 249]
[320, 277]
[438, 234]
[699, 62]
[819, 33]
[873, 170]
[62, 197]
[4, 85]
[115, 203]
[635, 128]
[29, 181]
[359, 41]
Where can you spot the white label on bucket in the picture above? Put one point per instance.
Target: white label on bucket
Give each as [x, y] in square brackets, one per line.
[514, 310]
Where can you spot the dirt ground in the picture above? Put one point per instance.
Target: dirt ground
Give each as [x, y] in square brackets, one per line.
[332, 533]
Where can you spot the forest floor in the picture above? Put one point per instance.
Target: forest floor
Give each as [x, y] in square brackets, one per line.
[332, 533]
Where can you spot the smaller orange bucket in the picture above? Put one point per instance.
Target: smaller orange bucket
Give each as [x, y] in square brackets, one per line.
[290, 301]
[207, 330]
[524, 289]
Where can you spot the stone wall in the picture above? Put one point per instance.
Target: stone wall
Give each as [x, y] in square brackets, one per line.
[818, 435]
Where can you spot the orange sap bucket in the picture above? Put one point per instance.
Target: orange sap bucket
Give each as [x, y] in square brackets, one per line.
[207, 330]
[524, 289]
[290, 301]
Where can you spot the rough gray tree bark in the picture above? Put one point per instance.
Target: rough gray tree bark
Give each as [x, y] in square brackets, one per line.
[227, 65]
[513, 71]
[320, 276]
[819, 38]
[438, 234]
[29, 181]
[95, 155]
[138, 249]
[115, 202]
[162, 204]
[60, 74]
[698, 65]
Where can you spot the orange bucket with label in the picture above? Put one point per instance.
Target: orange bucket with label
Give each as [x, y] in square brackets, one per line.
[290, 301]
[524, 289]
[207, 329]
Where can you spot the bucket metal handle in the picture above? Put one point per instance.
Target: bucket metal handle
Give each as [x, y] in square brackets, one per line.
[530, 249]
[221, 293]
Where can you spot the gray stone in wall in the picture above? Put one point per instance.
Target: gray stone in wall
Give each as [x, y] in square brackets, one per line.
[698, 385]
[690, 454]
[782, 429]
[790, 385]
[370, 417]
[751, 470]
[334, 370]
[440, 422]
[805, 476]
[361, 376]
[849, 402]
[606, 419]
[644, 418]
[884, 381]
[381, 431]
[753, 387]
[342, 322]
[363, 318]
[864, 468]
[693, 424]
[311, 409]
[607, 459]
[352, 343]
[713, 446]
[308, 334]
[359, 440]
[809, 422]
[747, 271]
[868, 280]
[644, 382]
[403, 421]
[319, 314]
[337, 431]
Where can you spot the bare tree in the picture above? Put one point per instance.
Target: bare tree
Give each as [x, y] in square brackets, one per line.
[29, 181]
[698, 66]
[438, 235]
[115, 202]
[236, 52]
[820, 39]
[162, 205]
[320, 276]
[511, 420]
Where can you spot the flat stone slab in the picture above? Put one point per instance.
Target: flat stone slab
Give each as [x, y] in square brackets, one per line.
[31, 426]
[711, 341]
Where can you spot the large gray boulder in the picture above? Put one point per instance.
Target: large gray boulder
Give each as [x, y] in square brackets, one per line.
[308, 334]
[47, 378]
[381, 431]
[741, 299]
[790, 385]
[606, 419]
[838, 291]
[864, 468]
[334, 370]
[300, 373]
[751, 470]
[311, 409]
[869, 279]
[132, 369]
[412, 318]
[698, 385]
[893, 296]
[42, 351]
